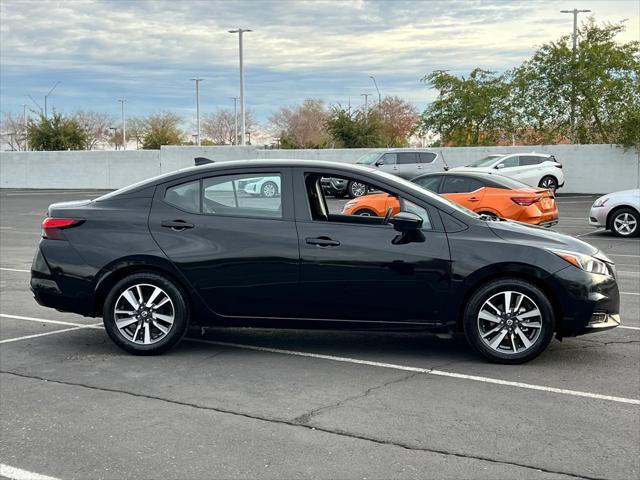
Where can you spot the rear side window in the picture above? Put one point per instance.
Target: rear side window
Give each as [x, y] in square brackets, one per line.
[530, 160]
[185, 196]
[430, 183]
[460, 185]
[243, 195]
[406, 158]
[426, 157]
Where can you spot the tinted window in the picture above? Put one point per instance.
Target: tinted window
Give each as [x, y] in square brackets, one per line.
[389, 159]
[407, 157]
[460, 185]
[509, 162]
[529, 160]
[426, 157]
[499, 181]
[430, 183]
[243, 195]
[185, 196]
[410, 207]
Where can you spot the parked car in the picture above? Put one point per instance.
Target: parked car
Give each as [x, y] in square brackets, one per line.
[178, 250]
[403, 162]
[618, 212]
[535, 169]
[485, 194]
[264, 186]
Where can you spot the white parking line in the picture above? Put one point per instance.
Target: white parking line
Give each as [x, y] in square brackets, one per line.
[36, 335]
[14, 270]
[19, 474]
[630, 293]
[629, 328]
[43, 320]
[428, 371]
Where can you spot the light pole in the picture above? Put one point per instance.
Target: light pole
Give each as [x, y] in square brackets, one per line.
[124, 124]
[114, 130]
[575, 13]
[45, 98]
[240, 31]
[378, 90]
[235, 119]
[197, 80]
[366, 101]
[24, 124]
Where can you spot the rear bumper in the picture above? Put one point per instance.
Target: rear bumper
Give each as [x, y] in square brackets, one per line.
[548, 223]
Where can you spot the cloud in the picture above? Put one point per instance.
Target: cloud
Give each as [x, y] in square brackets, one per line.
[147, 50]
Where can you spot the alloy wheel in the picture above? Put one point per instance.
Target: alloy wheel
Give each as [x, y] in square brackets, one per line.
[144, 314]
[269, 190]
[509, 322]
[625, 224]
[358, 189]
[549, 183]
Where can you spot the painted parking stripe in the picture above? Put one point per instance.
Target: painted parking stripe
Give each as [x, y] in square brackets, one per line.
[428, 371]
[19, 474]
[36, 335]
[14, 270]
[54, 322]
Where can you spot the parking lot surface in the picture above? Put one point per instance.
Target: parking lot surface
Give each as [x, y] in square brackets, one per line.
[257, 403]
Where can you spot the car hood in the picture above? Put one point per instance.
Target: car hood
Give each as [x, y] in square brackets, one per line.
[539, 237]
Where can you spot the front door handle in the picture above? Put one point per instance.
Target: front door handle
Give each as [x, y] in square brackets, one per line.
[176, 225]
[474, 199]
[322, 242]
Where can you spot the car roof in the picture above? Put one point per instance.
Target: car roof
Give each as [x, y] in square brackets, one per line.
[493, 178]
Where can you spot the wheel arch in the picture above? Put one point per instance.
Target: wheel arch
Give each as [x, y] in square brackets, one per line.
[615, 210]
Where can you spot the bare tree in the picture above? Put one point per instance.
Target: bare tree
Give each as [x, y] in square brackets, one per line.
[219, 127]
[302, 126]
[96, 126]
[13, 132]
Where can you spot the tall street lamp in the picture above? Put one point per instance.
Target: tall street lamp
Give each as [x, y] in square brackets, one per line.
[378, 90]
[235, 120]
[124, 124]
[575, 13]
[366, 101]
[240, 32]
[197, 80]
[46, 96]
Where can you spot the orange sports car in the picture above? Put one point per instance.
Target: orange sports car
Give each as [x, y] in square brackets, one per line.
[484, 193]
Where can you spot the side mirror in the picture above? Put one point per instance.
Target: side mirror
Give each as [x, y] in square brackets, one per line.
[406, 222]
[500, 165]
[379, 162]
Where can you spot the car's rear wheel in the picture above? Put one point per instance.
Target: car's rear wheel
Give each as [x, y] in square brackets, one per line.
[269, 190]
[625, 222]
[145, 314]
[356, 189]
[549, 182]
[491, 215]
[509, 321]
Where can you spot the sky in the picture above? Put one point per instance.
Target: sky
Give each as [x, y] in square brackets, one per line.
[147, 50]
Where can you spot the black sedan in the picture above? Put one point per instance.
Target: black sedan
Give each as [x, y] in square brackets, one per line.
[193, 247]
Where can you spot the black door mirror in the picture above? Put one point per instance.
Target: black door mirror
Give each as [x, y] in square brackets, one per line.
[379, 162]
[406, 222]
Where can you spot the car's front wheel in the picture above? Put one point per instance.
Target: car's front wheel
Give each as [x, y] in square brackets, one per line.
[356, 189]
[625, 223]
[509, 321]
[145, 314]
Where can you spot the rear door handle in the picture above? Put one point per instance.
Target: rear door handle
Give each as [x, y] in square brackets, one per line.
[322, 242]
[474, 199]
[176, 225]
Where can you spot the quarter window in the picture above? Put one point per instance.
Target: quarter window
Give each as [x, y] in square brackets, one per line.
[426, 157]
[185, 196]
[243, 195]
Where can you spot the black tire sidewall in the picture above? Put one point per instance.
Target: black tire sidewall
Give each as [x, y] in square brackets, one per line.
[486, 291]
[555, 182]
[618, 212]
[180, 322]
[359, 212]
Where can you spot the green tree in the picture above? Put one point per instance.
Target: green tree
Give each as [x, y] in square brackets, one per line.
[162, 129]
[602, 79]
[358, 129]
[56, 133]
[469, 111]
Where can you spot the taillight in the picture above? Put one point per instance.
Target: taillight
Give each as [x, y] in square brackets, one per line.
[525, 201]
[51, 227]
[558, 165]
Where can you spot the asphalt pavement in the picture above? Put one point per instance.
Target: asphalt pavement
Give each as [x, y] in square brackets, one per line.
[257, 403]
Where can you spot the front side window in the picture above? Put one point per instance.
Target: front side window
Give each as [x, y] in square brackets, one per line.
[185, 196]
[389, 159]
[460, 185]
[410, 207]
[368, 159]
[430, 183]
[509, 162]
[248, 195]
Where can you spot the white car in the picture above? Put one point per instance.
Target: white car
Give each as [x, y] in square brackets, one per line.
[535, 169]
[264, 186]
[618, 212]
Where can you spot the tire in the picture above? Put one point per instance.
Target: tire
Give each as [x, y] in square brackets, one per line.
[500, 336]
[624, 222]
[489, 214]
[149, 333]
[356, 189]
[550, 182]
[365, 212]
[269, 190]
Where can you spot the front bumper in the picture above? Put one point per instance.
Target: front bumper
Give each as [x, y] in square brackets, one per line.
[608, 322]
[598, 216]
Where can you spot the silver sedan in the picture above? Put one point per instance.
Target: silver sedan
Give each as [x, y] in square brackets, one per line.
[618, 212]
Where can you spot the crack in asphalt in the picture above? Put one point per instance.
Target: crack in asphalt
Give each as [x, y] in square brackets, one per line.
[305, 417]
[338, 432]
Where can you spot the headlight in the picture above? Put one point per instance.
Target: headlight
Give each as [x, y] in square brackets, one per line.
[350, 204]
[583, 262]
[600, 202]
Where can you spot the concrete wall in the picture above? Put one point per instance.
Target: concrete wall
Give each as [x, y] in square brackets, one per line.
[587, 168]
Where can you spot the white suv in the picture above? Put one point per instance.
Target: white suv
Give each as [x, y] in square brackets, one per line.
[535, 169]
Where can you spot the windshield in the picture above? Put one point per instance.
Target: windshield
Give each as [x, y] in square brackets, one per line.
[368, 159]
[486, 161]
